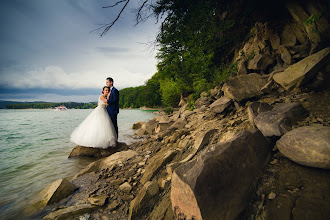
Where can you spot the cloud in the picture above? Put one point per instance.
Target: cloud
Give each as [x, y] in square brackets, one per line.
[52, 77]
[112, 50]
[57, 80]
[58, 52]
[49, 97]
[125, 74]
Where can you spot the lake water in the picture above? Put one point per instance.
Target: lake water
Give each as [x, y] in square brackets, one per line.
[34, 150]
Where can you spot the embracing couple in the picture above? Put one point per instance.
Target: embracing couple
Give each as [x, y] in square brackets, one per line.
[100, 128]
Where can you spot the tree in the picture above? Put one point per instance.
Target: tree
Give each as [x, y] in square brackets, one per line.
[197, 40]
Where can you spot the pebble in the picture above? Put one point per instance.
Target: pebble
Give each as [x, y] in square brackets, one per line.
[125, 187]
[116, 182]
[141, 164]
[262, 201]
[320, 120]
[113, 205]
[130, 173]
[271, 195]
[274, 161]
[127, 197]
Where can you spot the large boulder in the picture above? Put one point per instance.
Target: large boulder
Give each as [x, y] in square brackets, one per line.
[178, 124]
[138, 204]
[81, 151]
[216, 92]
[280, 119]
[162, 118]
[51, 194]
[150, 126]
[163, 210]
[302, 72]
[255, 108]
[309, 145]
[147, 128]
[244, 87]
[220, 105]
[186, 114]
[260, 62]
[137, 125]
[156, 163]
[202, 101]
[108, 162]
[71, 212]
[219, 182]
[241, 67]
[275, 40]
[299, 14]
[285, 54]
[141, 132]
[288, 37]
[162, 126]
[200, 142]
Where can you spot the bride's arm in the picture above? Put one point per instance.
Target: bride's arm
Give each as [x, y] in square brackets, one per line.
[103, 99]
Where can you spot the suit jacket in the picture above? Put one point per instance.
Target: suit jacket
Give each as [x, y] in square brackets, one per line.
[113, 101]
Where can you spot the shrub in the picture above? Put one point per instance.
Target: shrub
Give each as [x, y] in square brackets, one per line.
[168, 110]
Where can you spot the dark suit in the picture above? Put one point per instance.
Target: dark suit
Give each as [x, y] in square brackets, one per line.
[113, 107]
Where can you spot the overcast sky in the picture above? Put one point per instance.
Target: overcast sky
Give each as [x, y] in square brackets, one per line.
[48, 53]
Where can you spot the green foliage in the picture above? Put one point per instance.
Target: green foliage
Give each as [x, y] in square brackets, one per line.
[191, 102]
[168, 110]
[246, 57]
[196, 46]
[148, 95]
[194, 42]
[224, 71]
[130, 97]
[170, 92]
[312, 19]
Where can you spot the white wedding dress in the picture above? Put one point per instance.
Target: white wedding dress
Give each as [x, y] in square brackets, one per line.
[96, 130]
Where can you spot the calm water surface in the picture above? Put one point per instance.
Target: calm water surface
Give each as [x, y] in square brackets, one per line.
[34, 149]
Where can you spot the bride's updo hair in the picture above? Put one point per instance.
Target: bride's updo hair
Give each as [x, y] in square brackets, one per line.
[106, 87]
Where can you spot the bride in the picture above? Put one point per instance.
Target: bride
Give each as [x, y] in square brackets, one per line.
[97, 129]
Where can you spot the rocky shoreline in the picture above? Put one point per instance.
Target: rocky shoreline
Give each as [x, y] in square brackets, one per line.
[255, 147]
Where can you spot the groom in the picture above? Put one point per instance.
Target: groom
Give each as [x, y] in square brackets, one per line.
[113, 103]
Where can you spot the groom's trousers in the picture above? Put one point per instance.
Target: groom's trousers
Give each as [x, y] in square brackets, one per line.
[114, 121]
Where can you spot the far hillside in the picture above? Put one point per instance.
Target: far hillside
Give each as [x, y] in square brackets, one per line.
[46, 105]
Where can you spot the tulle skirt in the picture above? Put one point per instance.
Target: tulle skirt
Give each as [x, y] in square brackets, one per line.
[96, 130]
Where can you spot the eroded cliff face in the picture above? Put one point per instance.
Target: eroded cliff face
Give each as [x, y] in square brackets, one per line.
[276, 44]
[233, 156]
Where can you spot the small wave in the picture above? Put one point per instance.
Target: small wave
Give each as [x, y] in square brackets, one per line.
[49, 139]
[20, 146]
[43, 132]
[5, 204]
[14, 137]
[26, 166]
[51, 154]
